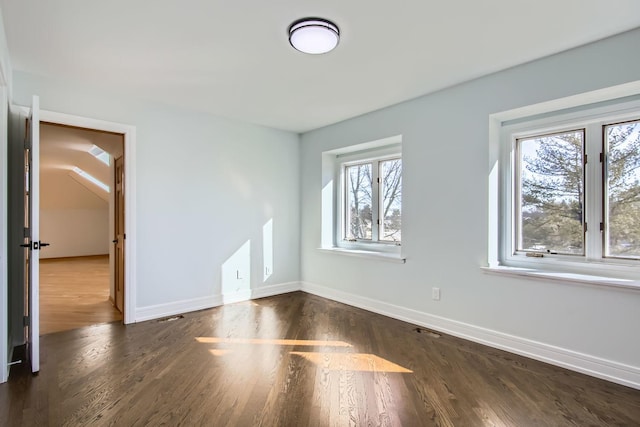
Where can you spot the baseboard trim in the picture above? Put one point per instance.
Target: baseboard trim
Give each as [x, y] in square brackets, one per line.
[178, 307]
[262, 292]
[590, 365]
[159, 311]
[272, 290]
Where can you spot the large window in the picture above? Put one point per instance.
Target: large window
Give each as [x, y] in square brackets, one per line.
[573, 192]
[372, 208]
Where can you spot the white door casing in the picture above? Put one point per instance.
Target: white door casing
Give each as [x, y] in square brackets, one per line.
[129, 133]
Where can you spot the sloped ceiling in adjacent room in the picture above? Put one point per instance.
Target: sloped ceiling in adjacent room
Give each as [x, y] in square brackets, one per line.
[63, 148]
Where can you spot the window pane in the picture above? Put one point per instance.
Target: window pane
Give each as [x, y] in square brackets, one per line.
[622, 194]
[358, 202]
[551, 193]
[391, 206]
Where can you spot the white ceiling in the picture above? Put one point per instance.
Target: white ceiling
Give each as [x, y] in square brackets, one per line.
[232, 58]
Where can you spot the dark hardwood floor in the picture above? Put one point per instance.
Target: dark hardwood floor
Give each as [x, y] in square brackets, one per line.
[297, 360]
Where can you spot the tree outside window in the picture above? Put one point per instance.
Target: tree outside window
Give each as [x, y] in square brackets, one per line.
[373, 201]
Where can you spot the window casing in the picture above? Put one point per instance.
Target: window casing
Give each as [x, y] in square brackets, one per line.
[570, 190]
[369, 210]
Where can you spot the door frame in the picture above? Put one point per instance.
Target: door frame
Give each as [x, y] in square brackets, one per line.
[117, 206]
[129, 133]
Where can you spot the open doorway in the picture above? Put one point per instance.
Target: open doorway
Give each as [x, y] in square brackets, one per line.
[82, 218]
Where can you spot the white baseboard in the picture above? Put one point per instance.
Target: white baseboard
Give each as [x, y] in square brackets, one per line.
[269, 291]
[262, 292]
[590, 365]
[178, 307]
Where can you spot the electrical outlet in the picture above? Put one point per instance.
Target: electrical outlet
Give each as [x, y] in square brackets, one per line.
[435, 294]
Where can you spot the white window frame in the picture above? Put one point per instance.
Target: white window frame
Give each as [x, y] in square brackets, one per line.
[375, 157]
[591, 116]
[332, 200]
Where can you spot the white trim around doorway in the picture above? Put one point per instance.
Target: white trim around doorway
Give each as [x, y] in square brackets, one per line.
[129, 133]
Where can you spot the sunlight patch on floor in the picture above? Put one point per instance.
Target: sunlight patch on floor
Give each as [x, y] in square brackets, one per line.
[352, 362]
[219, 351]
[291, 342]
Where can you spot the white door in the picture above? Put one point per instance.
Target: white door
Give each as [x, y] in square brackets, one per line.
[33, 244]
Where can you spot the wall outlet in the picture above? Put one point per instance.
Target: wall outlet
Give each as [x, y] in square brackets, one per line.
[435, 294]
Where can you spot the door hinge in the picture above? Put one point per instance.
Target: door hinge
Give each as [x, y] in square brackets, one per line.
[27, 143]
[26, 321]
[585, 159]
[602, 226]
[601, 157]
[378, 180]
[585, 227]
[377, 221]
[25, 232]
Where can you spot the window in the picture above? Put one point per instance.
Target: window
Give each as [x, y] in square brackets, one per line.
[550, 190]
[570, 192]
[361, 200]
[372, 208]
[100, 154]
[621, 204]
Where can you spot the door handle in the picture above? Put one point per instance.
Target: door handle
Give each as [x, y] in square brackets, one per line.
[35, 245]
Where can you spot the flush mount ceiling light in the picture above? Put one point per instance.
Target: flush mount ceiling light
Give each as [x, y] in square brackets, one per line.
[314, 35]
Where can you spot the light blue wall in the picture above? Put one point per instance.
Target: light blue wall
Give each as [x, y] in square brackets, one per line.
[445, 205]
[205, 186]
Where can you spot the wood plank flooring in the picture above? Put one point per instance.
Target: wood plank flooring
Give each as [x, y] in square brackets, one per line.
[74, 292]
[297, 360]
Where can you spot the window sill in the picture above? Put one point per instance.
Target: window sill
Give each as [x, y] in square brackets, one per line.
[382, 256]
[564, 277]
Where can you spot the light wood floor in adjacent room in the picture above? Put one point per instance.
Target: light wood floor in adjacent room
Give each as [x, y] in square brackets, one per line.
[74, 292]
[297, 360]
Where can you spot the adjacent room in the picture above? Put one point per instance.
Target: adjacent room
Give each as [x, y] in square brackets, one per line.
[336, 213]
[77, 214]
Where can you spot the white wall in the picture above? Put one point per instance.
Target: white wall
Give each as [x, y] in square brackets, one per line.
[74, 232]
[5, 96]
[445, 205]
[205, 186]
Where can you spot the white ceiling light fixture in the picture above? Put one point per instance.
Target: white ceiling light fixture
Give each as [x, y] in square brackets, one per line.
[314, 35]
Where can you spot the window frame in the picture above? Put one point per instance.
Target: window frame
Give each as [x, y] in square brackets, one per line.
[517, 189]
[592, 118]
[374, 156]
